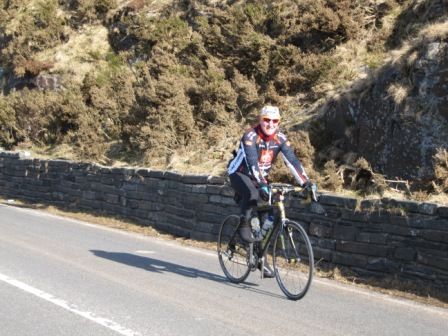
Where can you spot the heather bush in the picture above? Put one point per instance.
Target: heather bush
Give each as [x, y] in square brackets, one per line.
[162, 119]
[51, 119]
[111, 95]
[28, 31]
[10, 134]
[331, 178]
[247, 99]
[86, 11]
[33, 110]
[304, 151]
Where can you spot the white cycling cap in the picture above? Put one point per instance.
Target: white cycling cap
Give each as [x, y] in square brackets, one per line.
[270, 111]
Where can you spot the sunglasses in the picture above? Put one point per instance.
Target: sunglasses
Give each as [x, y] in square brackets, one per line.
[268, 120]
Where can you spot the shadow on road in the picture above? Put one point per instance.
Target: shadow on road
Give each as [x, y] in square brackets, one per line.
[159, 266]
[156, 265]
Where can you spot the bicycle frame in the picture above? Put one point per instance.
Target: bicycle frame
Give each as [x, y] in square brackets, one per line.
[278, 208]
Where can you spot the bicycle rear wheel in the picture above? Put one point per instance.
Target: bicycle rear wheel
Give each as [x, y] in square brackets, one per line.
[293, 260]
[233, 252]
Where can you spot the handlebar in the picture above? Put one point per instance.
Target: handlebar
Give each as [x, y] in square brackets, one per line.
[279, 188]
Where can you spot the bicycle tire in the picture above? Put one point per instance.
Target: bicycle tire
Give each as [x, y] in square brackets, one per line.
[233, 252]
[293, 260]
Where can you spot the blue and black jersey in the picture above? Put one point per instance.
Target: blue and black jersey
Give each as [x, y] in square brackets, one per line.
[257, 152]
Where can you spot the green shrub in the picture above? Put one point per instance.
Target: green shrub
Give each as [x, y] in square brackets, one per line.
[111, 95]
[51, 119]
[85, 11]
[257, 13]
[114, 66]
[30, 30]
[161, 121]
[10, 134]
[32, 110]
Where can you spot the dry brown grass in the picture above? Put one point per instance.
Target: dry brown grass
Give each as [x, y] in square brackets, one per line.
[435, 31]
[332, 179]
[83, 53]
[398, 92]
[389, 285]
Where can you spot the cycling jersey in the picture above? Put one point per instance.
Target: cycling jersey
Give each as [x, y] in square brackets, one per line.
[257, 152]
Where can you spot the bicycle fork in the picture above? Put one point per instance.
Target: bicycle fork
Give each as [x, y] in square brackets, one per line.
[293, 257]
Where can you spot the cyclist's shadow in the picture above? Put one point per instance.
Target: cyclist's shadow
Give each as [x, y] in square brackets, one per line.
[159, 266]
[156, 265]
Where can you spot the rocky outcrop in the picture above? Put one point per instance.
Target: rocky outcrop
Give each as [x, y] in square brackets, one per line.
[47, 82]
[400, 118]
[41, 82]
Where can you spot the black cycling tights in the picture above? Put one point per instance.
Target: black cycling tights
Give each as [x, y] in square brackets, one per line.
[247, 190]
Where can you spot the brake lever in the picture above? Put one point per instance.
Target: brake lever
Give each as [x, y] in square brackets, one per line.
[314, 192]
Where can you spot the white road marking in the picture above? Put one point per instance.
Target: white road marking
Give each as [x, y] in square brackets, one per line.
[145, 252]
[70, 307]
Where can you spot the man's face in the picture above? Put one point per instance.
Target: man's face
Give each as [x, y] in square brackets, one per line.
[268, 125]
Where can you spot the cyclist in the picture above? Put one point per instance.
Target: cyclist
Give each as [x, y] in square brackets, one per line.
[249, 168]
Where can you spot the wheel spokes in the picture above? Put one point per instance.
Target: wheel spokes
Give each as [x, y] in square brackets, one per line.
[293, 261]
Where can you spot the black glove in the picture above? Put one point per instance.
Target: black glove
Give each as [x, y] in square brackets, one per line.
[264, 191]
[307, 185]
[310, 189]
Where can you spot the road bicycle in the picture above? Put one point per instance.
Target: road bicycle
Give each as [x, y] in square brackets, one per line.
[291, 251]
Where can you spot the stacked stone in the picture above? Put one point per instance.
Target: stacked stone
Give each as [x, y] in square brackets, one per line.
[190, 206]
[384, 236]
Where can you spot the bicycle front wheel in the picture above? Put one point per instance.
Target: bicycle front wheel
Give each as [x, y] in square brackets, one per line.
[293, 260]
[233, 252]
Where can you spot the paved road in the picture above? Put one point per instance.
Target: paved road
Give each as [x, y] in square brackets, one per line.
[65, 277]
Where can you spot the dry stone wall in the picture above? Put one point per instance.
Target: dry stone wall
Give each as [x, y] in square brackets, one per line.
[374, 237]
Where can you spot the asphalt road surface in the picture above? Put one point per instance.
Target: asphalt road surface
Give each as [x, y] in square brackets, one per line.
[65, 277]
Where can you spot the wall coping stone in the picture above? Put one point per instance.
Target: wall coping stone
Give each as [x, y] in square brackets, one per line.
[173, 176]
[145, 172]
[14, 154]
[428, 208]
[59, 162]
[346, 202]
[216, 180]
[105, 170]
[156, 174]
[410, 206]
[195, 179]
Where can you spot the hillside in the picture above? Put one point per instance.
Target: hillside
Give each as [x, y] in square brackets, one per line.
[172, 84]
